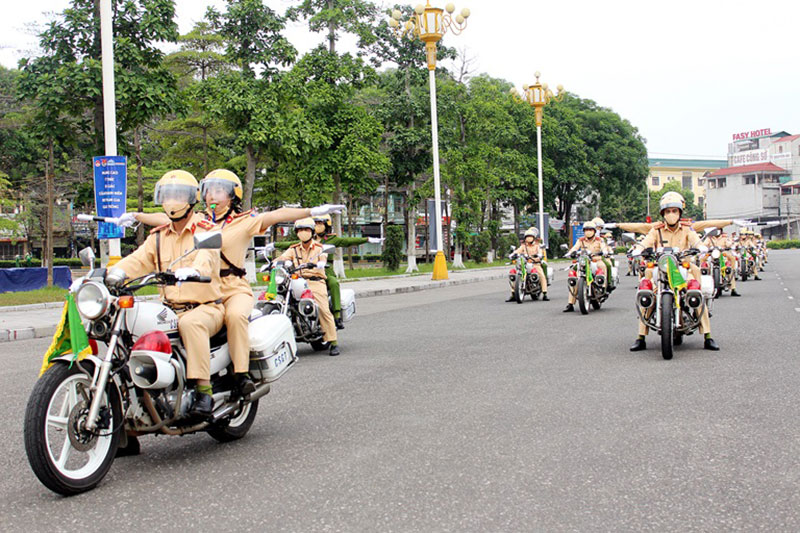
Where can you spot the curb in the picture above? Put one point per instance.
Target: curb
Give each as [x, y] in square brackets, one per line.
[10, 335]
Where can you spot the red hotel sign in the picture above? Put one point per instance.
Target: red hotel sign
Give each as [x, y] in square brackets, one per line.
[751, 134]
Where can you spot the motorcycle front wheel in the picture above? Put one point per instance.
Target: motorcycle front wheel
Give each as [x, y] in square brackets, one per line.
[667, 324]
[67, 459]
[583, 296]
[518, 295]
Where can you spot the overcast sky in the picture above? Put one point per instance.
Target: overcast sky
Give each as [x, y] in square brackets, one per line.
[687, 73]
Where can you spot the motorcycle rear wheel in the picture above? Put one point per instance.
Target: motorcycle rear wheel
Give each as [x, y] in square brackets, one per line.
[667, 324]
[583, 296]
[56, 408]
[237, 427]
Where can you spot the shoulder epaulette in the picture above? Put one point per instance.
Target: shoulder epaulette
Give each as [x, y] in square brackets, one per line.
[205, 224]
[686, 222]
[159, 228]
[249, 212]
[659, 225]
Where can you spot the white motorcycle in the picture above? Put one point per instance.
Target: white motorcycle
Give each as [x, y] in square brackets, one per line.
[293, 299]
[81, 411]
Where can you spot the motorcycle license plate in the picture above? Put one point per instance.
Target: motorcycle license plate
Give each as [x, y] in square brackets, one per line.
[280, 360]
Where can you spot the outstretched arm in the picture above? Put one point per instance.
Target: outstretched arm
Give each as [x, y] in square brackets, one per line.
[284, 214]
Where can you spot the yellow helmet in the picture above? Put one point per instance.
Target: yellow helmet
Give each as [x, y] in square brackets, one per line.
[304, 223]
[598, 222]
[326, 219]
[176, 192]
[224, 179]
[672, 199]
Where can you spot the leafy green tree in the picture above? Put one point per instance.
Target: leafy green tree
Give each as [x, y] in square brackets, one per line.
[393, 248]
[693, 211]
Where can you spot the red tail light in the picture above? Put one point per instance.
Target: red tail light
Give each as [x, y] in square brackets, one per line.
[512, 271]
[645, 285]
[307, 294]
[154, 341]
[704, 265]
[693, 285]
[572, 274]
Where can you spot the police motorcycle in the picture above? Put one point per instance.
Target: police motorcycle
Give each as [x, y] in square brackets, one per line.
[523, 278]
[635, 265]
[747, 262]
[82, 410]
[583, 282]
[715, 264]
[292, 298]
[674, 304]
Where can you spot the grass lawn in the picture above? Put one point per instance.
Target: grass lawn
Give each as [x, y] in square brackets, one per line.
[48, 294]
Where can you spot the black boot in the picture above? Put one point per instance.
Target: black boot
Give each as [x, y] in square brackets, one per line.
[334, 350]
[569, 308]
[202, 406]
[734, 293]
[639, 345]
[544, 297]
[711, 344]
[511, 299]
[130, 449]
[338, 322]
[244, 385]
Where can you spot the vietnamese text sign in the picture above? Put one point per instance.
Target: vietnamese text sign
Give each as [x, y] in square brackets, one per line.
[749, 157]
[110, 193]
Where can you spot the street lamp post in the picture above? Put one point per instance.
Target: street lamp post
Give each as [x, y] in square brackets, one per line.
[539, 95]
[109, 102]
[429, 24]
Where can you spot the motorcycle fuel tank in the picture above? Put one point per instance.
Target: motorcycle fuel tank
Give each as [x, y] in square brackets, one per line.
[149, 316]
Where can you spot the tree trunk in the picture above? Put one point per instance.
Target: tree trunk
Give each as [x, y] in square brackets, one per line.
[250, 177]
[338, 262]
[350, 223]
[516, 219]
[205, 150]
[458, 259]
[411, 223]
[137, 146]
[48, 252]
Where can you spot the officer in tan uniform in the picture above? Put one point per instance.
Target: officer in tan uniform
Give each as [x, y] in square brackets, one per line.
[747, 240]
[310, 251]
[722, 242]
[594, 244]
[673, 233]
[221, 190]
[531, 246]
[198, 305]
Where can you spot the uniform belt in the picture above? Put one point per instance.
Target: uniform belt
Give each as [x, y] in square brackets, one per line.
[315, 278]
[180, 307]
[230, 272]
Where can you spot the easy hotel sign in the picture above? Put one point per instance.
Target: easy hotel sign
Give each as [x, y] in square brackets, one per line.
[751, 134]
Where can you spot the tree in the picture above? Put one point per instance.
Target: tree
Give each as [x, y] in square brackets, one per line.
[692, 210]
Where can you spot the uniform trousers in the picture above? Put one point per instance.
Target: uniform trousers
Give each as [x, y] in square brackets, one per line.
[196, 326]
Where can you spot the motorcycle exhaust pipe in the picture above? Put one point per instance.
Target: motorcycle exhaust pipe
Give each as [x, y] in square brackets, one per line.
[645, 299]
[694, 299]
[261, 390]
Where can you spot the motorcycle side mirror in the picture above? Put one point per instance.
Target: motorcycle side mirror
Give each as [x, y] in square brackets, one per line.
[511, 248]
[264, 268]
[628, 237]
[211, 240]
[328, 248]
[564, 247]
[87, 257]
[712, 232]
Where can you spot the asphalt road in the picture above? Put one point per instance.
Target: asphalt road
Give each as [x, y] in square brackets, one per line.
[451, 410]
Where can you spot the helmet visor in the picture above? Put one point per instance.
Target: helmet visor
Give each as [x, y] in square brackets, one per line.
[217, 186]
[176, 192]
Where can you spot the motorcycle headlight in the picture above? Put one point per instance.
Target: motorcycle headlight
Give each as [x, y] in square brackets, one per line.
[92, 300]
[280, 277]
[715, 254]
[664, 262]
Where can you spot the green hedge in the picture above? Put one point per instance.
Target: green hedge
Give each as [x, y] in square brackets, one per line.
[621, 250]
[58, 261]
[784, 244]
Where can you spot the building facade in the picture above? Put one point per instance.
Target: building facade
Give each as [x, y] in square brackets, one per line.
[688, 172]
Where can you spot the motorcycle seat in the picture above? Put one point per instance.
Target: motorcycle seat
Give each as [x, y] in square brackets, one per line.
[220, 338]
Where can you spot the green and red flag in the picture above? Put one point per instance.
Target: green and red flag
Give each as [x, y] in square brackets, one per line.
[70, 337]
[676, 281]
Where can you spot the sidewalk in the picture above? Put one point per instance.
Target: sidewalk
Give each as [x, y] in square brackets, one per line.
[39, 320]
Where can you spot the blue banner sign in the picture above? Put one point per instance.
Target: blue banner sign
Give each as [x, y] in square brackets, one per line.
[110, 192]
[577, 232]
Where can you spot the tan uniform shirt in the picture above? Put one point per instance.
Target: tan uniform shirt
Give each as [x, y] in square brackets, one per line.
[298, 254]
[237, 232]
[594, 245]
[530, 250]
[146, 260]
[720, 241]
[682, 237]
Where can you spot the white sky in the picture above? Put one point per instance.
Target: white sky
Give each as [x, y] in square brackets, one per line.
[687, 73]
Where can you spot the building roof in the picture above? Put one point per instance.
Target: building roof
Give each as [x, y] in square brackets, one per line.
[687, 163]
[795, 183]
[790, 138]
[749, 169]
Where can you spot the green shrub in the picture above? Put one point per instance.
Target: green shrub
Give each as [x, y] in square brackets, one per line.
[479, 246]
[784, 244]
[505, 243]
[58, 261]
[621, 250]
[393, 248]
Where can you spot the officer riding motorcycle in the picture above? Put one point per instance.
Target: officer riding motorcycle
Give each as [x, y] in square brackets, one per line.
[593, 244]
[533, 251]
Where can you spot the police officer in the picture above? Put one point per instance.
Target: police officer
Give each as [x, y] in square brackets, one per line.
[221, 190]
[722, 242]
[531, 247]
[600, 223]
[198, 305]
[310, 251]
[593, 243]
[673, 233]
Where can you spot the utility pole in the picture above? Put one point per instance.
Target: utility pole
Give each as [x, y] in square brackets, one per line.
[788, 220]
